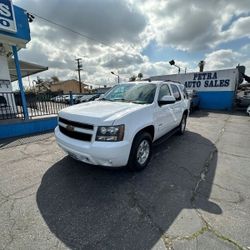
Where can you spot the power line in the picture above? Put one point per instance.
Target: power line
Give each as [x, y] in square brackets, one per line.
[74, 31]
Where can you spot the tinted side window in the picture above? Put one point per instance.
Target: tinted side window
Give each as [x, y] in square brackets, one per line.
[176, 92]
[164, 90]
[184, 91]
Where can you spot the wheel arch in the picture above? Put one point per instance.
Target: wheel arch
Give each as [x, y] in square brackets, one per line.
[149, 129]
[185, 112]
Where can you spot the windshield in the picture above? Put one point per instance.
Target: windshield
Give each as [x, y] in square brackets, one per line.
[136, 93]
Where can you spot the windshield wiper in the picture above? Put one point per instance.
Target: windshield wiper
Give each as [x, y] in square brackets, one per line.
[105, 99]
[120, 99]
[139, 102]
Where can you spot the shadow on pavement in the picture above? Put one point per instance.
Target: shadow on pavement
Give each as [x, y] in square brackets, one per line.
[94, 208]
[204, 113]
[21, 140]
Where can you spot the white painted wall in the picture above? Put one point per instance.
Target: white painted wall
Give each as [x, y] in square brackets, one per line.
[5, 87]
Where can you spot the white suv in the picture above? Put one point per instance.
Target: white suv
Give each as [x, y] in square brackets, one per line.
[119, 129]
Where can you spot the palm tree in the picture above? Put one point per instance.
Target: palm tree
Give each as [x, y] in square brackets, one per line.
[201, 65]
[140, 75]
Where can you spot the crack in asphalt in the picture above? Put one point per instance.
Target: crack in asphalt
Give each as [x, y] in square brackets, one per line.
[235, 155]
[208, 161]
[203, 174]
[134, 203]
[168, 240]
[10, 143]
[12, 206]
[10, 231]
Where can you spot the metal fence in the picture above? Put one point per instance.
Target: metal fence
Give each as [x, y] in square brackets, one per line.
[38, 104]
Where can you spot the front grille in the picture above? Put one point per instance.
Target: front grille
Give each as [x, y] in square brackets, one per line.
[76, 124]
[75, 134]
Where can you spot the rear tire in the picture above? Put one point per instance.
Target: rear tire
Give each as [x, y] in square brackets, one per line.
[140, 153]
[182, 126]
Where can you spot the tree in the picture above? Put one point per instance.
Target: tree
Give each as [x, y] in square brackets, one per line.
[132, 78]
[54, 79]
[42, 85]
[140, 76]
[201, 65]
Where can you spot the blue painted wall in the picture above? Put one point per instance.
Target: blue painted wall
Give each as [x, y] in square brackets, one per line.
[27, 127]
[217, 100]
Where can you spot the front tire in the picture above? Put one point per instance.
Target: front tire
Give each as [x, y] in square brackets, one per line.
[141, 152]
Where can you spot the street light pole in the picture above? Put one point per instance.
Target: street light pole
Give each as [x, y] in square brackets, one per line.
[172, 63]
[179, 69]
[118, 77]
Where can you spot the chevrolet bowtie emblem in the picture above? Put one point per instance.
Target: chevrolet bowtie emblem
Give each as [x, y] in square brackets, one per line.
[70, 128]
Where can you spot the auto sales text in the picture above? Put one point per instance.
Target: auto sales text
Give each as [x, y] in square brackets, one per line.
[207, 80]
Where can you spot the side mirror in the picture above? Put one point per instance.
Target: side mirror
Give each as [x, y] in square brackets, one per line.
[166, 99]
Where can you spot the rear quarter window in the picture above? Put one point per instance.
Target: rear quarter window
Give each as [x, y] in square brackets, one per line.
[176, 92]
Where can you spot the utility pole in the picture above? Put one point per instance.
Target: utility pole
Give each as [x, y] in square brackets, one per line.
[79, 68]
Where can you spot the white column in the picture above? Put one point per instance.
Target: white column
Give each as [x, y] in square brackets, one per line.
[5, 84]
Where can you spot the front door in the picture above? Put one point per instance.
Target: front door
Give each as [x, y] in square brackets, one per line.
[164, 114]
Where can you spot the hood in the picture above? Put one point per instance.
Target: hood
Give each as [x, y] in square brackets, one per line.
[99, 112]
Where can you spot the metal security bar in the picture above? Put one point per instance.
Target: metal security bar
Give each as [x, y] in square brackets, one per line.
[9, 109]
[46, 104]
[41, 104]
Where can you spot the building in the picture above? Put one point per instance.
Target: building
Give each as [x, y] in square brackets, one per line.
[67, 86]
[216, 89]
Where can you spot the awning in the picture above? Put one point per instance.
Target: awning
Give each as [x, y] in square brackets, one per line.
[27, 69]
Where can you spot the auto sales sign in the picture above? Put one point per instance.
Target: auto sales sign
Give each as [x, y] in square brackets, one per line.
[7, 16]
[218, 80]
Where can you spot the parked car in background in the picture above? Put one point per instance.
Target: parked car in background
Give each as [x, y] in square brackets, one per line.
[248, 110]
[244, 100]
[75, 99]
[88, 98]
[52, 99]
[194, 99]
[61, 98]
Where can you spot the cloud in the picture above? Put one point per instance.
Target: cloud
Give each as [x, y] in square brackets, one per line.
[238, 29]
[109, 21]
[120, 60]
[221, 59]
[127, 27]
[193, 25]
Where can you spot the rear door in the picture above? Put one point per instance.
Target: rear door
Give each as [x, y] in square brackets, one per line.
[177, 106]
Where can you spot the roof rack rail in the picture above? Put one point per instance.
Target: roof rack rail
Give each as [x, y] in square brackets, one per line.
[172, 81]
[147, 79]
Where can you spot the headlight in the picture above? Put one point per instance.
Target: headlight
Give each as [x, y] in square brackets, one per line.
[110, 133]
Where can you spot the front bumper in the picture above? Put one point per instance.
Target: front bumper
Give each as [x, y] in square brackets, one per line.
[109, 154]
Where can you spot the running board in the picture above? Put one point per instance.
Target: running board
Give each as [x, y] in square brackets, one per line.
[165, 137]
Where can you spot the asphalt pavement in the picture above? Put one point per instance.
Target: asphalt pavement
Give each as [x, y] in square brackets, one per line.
[195, 194]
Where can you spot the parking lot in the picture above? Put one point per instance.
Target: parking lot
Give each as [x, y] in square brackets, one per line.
[195, 194]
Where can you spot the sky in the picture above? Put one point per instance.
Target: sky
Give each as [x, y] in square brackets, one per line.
[132, 36]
